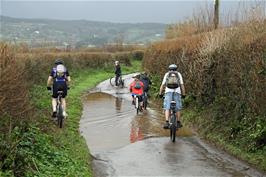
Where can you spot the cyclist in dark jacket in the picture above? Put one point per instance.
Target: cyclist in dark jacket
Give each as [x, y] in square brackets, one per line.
[117, 72]
[146, 81]
[59, 78]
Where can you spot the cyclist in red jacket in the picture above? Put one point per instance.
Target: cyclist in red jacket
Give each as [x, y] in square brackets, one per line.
[136, 88]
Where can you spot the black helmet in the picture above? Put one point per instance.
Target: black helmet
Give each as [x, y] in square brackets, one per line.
[172, 67]
[58, 62]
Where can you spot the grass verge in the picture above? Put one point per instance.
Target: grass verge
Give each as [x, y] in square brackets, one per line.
[198, 120]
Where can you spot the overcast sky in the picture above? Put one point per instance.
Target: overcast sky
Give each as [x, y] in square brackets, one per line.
[113, 11]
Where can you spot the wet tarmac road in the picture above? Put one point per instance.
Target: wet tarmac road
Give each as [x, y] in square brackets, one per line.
[125, 144]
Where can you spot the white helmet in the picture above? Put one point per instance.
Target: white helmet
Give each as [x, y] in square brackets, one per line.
[172, 67]
[116, 62]
[60, 68]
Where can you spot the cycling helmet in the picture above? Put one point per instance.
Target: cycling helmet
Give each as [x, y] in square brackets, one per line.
[145, 73]
[60, 68]
[58, 62]
[136, 76]
[172, 67]
[116, 62]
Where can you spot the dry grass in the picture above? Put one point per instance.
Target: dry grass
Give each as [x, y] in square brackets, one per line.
[202, 19]
[227, 62]
[14, 101]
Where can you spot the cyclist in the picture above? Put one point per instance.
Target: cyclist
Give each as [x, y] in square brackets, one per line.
[59, 78]
[117, 72]
[146, 81]
[136, 88]
[168, 96]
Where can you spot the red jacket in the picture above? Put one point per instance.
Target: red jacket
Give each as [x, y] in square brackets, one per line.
[134, 90]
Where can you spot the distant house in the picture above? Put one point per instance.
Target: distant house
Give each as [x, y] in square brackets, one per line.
[65, 46]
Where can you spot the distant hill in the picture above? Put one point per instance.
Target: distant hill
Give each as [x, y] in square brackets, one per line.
[78, 32]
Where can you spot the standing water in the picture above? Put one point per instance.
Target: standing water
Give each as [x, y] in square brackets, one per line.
[125, 144]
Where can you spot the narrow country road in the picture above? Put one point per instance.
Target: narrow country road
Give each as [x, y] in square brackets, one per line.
[125, 144]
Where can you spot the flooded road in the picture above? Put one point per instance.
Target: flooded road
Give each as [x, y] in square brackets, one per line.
[125, 144]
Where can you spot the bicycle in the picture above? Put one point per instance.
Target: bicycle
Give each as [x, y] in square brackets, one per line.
[137, 103]
[120, 81]
[173, 121]
[59, 110]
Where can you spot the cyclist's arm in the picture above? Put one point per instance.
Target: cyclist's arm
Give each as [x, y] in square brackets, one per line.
[163, 84]
[68, 79]
[50, 81]
[183, 92]
[161, 89]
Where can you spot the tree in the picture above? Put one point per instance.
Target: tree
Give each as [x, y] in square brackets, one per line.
[216, 14]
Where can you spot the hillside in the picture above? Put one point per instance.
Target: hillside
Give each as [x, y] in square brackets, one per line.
[78, 32]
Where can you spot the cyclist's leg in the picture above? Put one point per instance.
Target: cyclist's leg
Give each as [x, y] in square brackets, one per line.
[178, 108]
[133, 98]
[54, 107]
[63, 100]
[116, 79]
[54, 97]
[141, 101]
[167, 113]
[167, 102]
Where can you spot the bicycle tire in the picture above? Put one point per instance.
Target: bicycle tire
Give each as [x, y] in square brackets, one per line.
[173, 128]
[60, 116]
[173, 133]
[121, 83]
[111, 81]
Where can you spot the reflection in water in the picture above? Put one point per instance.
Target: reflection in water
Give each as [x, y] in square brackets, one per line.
[118, 103]
[135, 134]
[110, 122]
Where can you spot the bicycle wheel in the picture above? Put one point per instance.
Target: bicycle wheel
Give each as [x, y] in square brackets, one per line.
[121, 82]
[112, 81]
[60, 117]
[173, 128]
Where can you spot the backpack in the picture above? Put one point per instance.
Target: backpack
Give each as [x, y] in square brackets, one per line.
[146, 84]
[137, 85]
[60, 73]
[172, 80]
